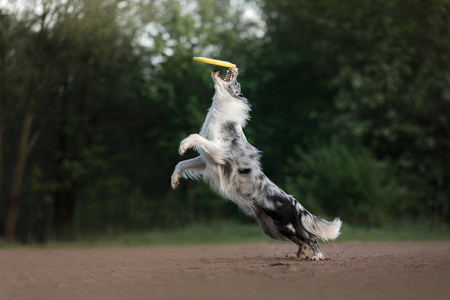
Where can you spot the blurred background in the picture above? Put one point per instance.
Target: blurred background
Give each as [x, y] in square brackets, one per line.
[350, 106]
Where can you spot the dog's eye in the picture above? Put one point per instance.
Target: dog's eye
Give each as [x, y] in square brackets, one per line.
[244, 171]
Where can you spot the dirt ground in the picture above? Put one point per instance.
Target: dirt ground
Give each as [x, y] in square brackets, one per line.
[352, 270]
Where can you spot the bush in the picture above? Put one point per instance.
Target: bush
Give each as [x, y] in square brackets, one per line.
[336, 180]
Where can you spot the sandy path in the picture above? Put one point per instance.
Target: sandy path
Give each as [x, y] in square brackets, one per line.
[252, 271]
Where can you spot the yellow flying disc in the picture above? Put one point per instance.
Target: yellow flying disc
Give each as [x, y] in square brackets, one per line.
[215, 62]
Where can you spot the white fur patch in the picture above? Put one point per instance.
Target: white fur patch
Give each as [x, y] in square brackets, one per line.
[290, 227]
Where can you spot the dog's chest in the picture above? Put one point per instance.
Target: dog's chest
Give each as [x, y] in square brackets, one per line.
[222, 134]
[210, 131]
[222, 118]
[220, 129]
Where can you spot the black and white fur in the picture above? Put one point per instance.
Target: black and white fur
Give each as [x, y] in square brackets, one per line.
[231, 166]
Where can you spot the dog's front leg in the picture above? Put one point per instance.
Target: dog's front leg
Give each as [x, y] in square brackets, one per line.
[195, 140]
[193, 165]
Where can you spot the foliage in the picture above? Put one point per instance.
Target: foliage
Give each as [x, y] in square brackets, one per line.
[336, 180]
[394, 93]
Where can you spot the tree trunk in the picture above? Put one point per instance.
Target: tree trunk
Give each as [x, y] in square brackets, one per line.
[1, 143]
[65, 202]
[22, 156]
[2, 100]
[65, 197]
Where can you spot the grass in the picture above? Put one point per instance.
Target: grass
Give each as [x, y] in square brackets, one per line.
[396, 231]
[202, 233]
[233, 233]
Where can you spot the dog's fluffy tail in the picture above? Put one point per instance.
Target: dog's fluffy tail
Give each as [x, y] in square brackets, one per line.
[320, 228]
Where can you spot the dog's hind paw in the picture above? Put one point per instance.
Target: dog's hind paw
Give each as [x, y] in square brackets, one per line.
[295, 257]
[175, 184]
[318, 257]
[175, 180]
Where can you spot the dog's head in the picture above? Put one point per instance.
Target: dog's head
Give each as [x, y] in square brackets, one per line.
[227, 86]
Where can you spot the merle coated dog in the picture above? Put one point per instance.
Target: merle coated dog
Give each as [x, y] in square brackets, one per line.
[231, 166]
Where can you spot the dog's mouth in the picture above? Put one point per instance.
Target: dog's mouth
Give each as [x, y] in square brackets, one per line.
[228, 77]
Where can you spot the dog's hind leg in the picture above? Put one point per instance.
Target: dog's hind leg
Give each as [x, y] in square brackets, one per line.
[317, 254]
[190, 167]
[301, 254]
[195, 140]
[301, 251]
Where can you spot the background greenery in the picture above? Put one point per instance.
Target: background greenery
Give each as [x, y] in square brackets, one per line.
[350, 99]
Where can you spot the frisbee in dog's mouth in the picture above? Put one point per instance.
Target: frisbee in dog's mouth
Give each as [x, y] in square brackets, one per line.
[216, 62]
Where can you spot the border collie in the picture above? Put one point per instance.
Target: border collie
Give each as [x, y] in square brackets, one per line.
[232, 168]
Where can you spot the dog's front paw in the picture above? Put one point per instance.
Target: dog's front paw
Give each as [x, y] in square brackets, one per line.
[187, 143]
[183, 147]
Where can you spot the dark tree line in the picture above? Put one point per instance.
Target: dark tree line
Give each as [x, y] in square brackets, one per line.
[350, 107]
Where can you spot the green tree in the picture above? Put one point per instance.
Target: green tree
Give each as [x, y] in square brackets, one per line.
[336, 180]
[393, 92]
[78, 68]
[19, 66]
[290, 88]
